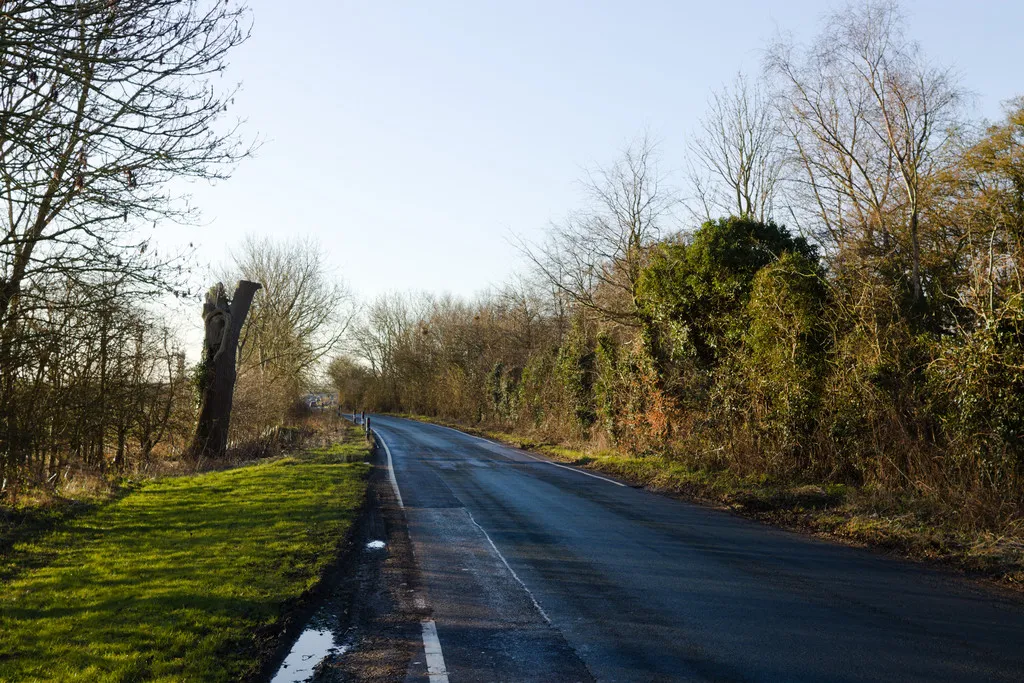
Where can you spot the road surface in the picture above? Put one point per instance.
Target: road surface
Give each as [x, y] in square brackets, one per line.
[533, 571]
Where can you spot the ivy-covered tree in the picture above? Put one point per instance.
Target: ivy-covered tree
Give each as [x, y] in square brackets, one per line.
[692, 293]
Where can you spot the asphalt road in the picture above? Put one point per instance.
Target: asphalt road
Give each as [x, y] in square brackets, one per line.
[536, 572]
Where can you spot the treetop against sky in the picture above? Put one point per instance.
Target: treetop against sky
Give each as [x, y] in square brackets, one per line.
[429, 134]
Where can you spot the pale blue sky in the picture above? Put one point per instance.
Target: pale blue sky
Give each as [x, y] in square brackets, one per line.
[411, 138]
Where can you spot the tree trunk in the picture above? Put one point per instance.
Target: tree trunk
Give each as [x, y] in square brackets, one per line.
[223, 321]
[915, 255]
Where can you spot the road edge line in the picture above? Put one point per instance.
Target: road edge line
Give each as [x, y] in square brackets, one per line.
[573, 469]
[437, 672]
[391, 467]
[531, 455]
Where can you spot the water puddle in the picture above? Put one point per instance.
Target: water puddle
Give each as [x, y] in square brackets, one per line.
[325, 635]
[310, 649]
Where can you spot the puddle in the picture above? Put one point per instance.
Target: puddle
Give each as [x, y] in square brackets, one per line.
[328, 632]
[308, 651]
[333, 628]
[324, 636]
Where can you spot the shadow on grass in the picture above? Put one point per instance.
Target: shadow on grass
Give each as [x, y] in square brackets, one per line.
[21, 527]
[182, 579]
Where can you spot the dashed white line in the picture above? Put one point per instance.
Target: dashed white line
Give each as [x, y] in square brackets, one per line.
[509, 567]
[436, 670]
[391, 468]
[472, 436]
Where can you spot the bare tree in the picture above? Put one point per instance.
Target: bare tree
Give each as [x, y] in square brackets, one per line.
[351, 380]
[385, 323]
[96, 387]
[303, 312]
[595, 257]
[738, 157]
[298, 320]
[868, 118]
[102, 102]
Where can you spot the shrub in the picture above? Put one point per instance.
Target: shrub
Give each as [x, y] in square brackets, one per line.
[978, 382]
[576, 371]
[784, 349]
[693, 294]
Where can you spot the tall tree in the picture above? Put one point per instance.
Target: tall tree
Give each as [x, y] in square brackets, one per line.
[298, 319]
[595, 257]
[738, 155]
[980, 202]
[303, 312]
[868, 117]
[102, 103]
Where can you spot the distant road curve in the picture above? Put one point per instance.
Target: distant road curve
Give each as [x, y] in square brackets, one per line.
[539, 572]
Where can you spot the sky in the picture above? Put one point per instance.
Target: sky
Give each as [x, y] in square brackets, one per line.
[414, 139]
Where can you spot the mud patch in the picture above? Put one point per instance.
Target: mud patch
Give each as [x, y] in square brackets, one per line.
[367, 627]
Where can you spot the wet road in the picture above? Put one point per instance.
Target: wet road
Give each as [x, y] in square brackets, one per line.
[536, 572]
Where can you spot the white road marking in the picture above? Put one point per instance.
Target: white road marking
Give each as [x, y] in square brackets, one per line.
[474, 436]
[573, 469]
[508, 567]
[432, 648]
[530, 455]
[436, 670]
[391, 468]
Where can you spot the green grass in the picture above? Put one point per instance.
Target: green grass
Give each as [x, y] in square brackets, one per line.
[181, 579]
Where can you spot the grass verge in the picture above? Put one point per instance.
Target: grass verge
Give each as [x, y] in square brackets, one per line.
[910, 528]
[180, 579]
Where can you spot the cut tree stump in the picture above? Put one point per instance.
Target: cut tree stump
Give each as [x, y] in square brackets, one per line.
[223, 319]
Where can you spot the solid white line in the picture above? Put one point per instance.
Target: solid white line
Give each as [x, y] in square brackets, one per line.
[391, 468]
[432, 648]
[530, 455]
[573, 469]
[472, 436]
[509, 567]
